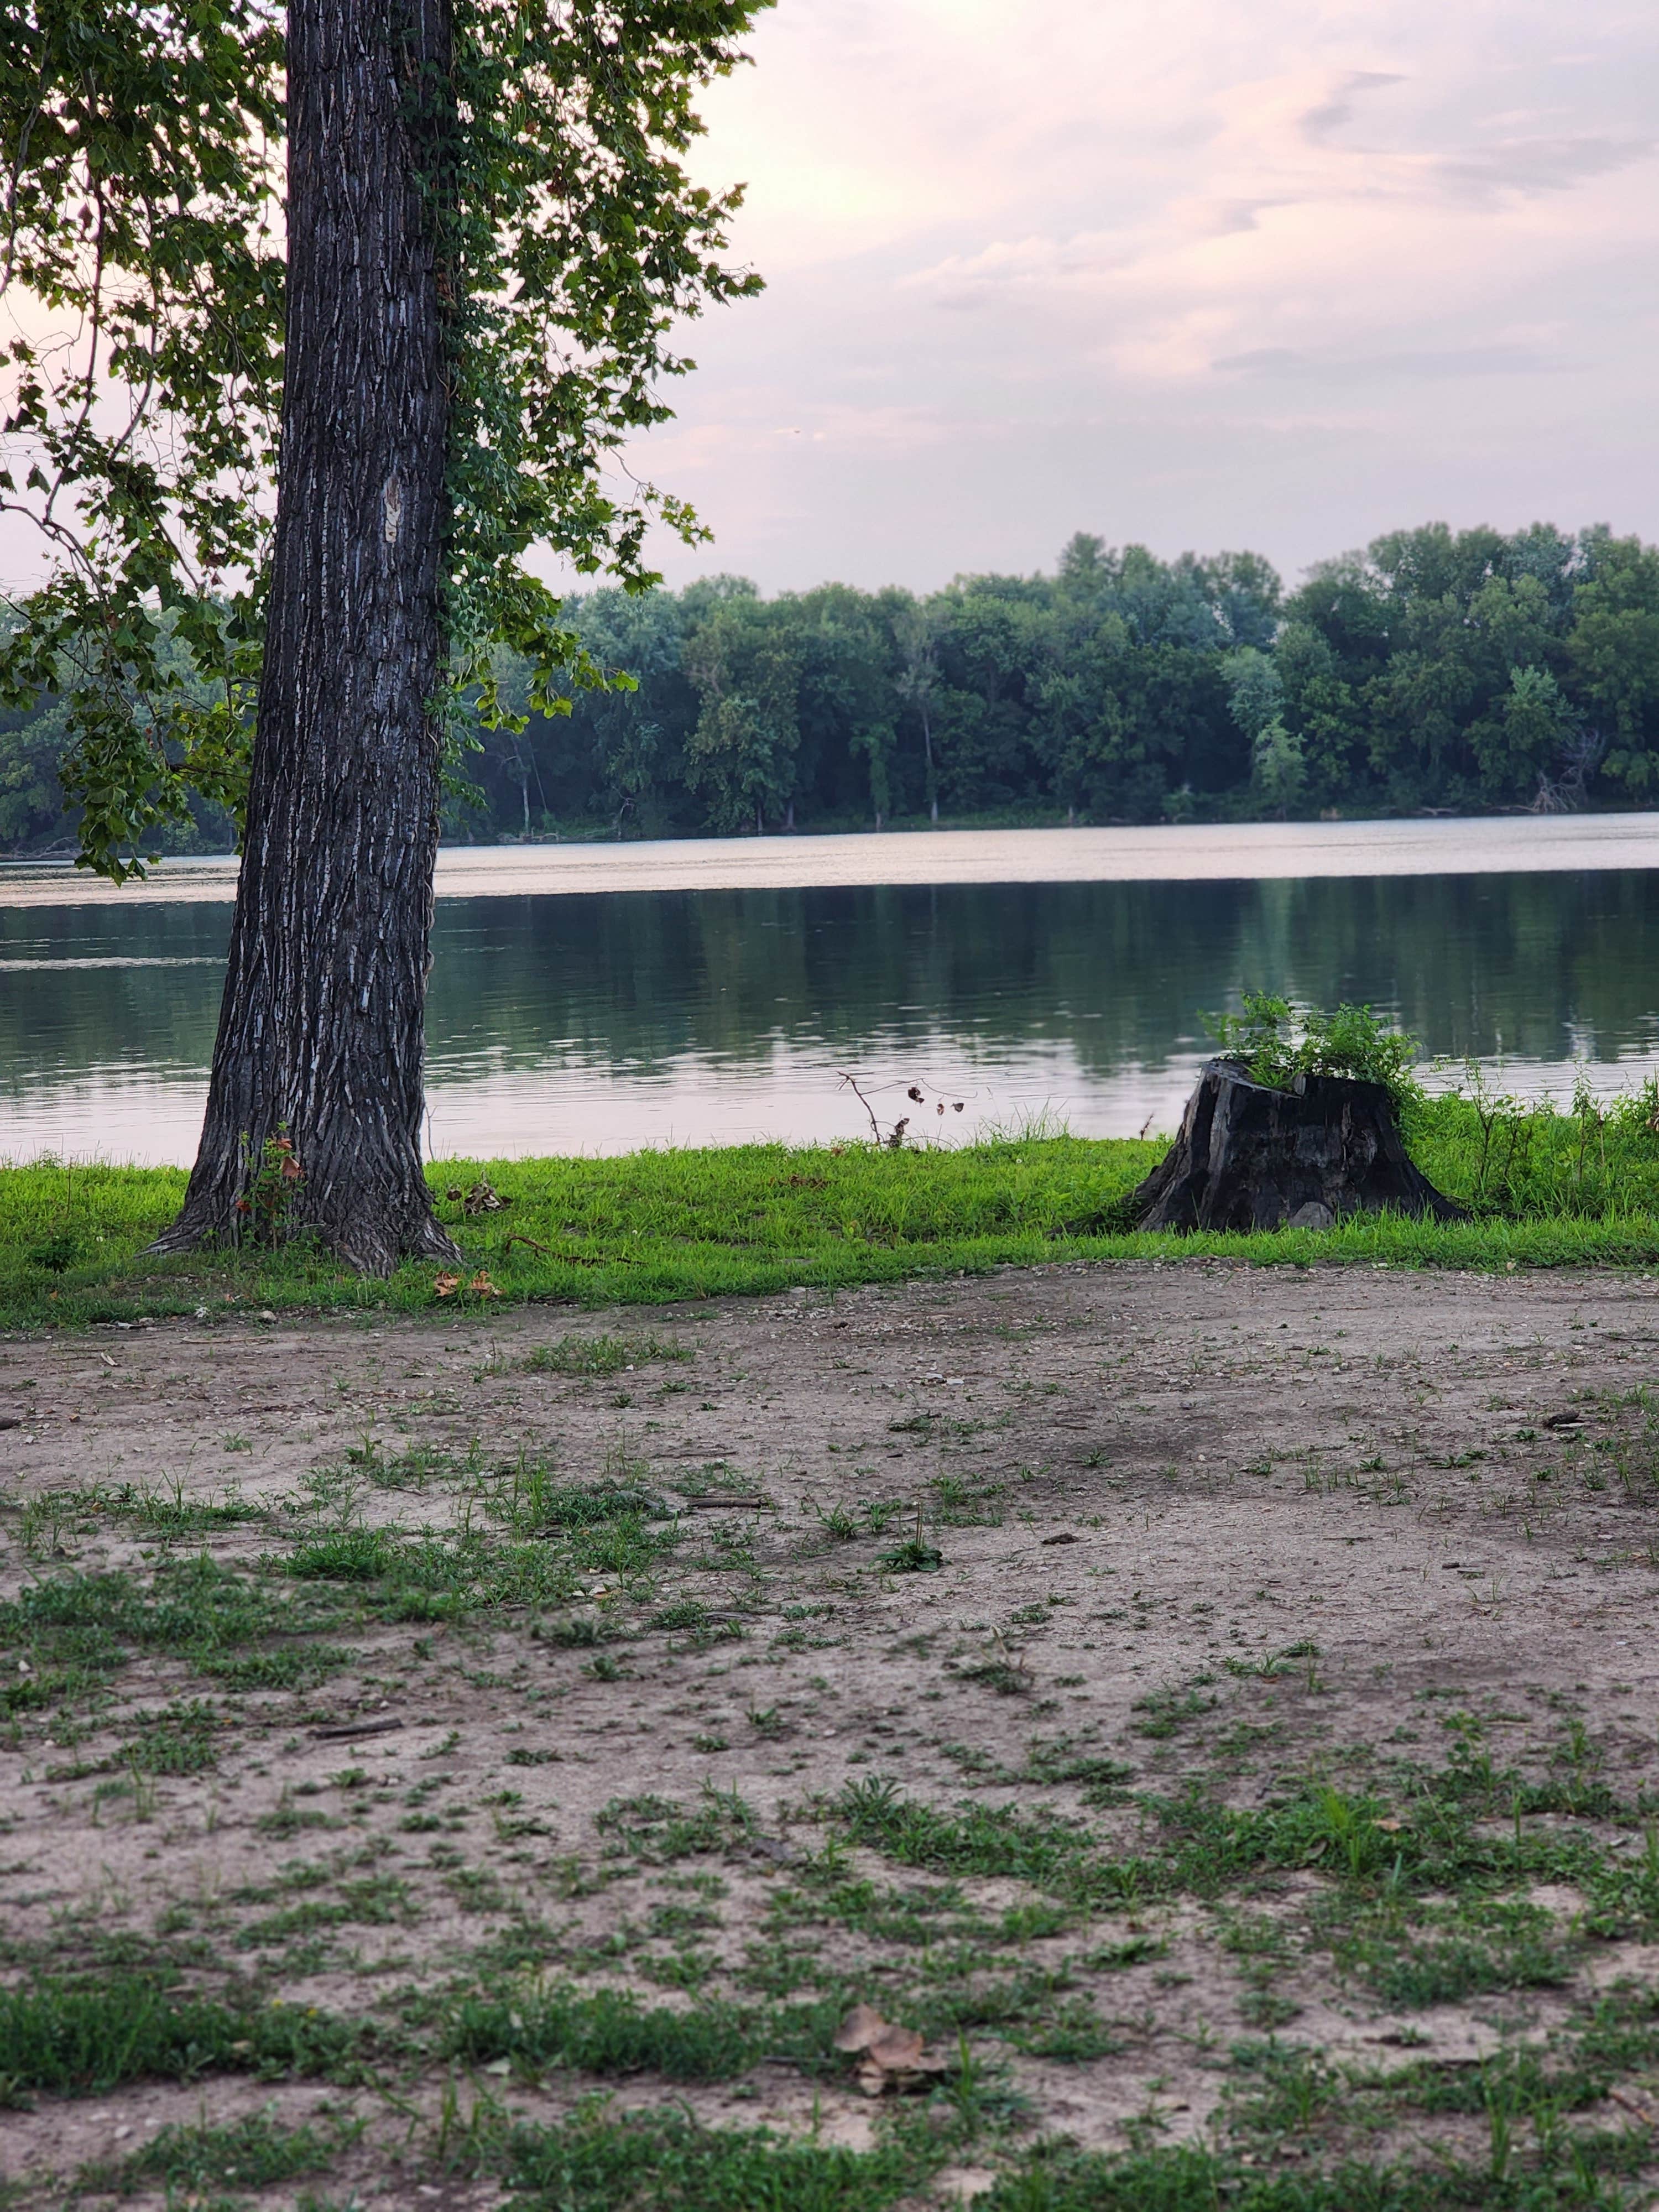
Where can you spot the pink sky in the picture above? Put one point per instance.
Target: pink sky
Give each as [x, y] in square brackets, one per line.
[1202, 274]
[1282, 275]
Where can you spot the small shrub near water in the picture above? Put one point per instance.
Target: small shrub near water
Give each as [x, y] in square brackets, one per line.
[1523, 1159]
[1501, 1155]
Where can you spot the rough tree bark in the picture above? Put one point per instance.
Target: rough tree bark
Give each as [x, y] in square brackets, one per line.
[1250, 1157]
[320, 1026]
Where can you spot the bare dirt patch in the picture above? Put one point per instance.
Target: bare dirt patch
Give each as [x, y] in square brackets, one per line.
[1209, 1705]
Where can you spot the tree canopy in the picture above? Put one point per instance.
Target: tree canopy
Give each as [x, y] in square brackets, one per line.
[1465, 672]
[142, 163]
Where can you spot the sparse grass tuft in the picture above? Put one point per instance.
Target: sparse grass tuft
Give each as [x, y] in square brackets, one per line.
[444, 1574]
[77, 1630]
[1040, 1848]
[600, 1355]
[656, 1831]
[252, 2153]
[663, 2161]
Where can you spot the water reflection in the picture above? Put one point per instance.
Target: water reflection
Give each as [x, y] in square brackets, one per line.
[600, 1021]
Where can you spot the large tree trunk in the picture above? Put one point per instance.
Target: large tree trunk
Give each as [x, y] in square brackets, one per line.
[320, 1028]
[1250, 1157]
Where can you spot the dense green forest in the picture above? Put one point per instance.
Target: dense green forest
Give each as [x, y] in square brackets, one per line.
[1436, 669]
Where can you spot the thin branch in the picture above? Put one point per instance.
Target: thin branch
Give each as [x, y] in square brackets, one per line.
[851, 1085]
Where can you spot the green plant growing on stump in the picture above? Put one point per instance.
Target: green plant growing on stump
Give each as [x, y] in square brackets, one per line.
[1277, 1040]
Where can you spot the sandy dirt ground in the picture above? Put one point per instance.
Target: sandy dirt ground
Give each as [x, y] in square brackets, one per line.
[1193, 1525]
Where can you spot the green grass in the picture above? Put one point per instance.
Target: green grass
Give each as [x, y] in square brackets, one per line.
[77, 1630]
[1183, 2180]
[600, 1355]
[663, 2161]
[85, 2038]
[1425, 1896]
[176, 1741]
[1415, 1878]
[253, 2153]
[609, 2034]
[1549, 1189]
[1040, 1848]
[657, 1830]
[444, 1574]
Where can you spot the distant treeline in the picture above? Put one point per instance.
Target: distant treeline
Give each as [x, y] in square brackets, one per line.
[1460, 671]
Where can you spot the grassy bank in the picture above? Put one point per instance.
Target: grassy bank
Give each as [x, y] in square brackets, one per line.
[1548, 1189]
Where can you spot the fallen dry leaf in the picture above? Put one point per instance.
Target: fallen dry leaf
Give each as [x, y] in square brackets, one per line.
[446, 1285]
[898, 2049]
[875, 2079]
[861, 2028]
[894, 2057]
[1389, 1827]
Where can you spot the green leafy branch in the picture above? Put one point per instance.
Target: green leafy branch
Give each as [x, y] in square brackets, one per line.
[141, 158]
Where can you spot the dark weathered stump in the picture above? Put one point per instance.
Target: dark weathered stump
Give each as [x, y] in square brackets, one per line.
[1249, 1157]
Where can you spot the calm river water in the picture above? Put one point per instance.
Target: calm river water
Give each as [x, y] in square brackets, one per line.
[575, 1008]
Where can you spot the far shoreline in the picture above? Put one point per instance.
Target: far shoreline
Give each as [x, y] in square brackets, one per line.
[1161, 852]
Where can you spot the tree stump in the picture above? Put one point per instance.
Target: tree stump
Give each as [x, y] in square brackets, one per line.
[1250, 1157]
